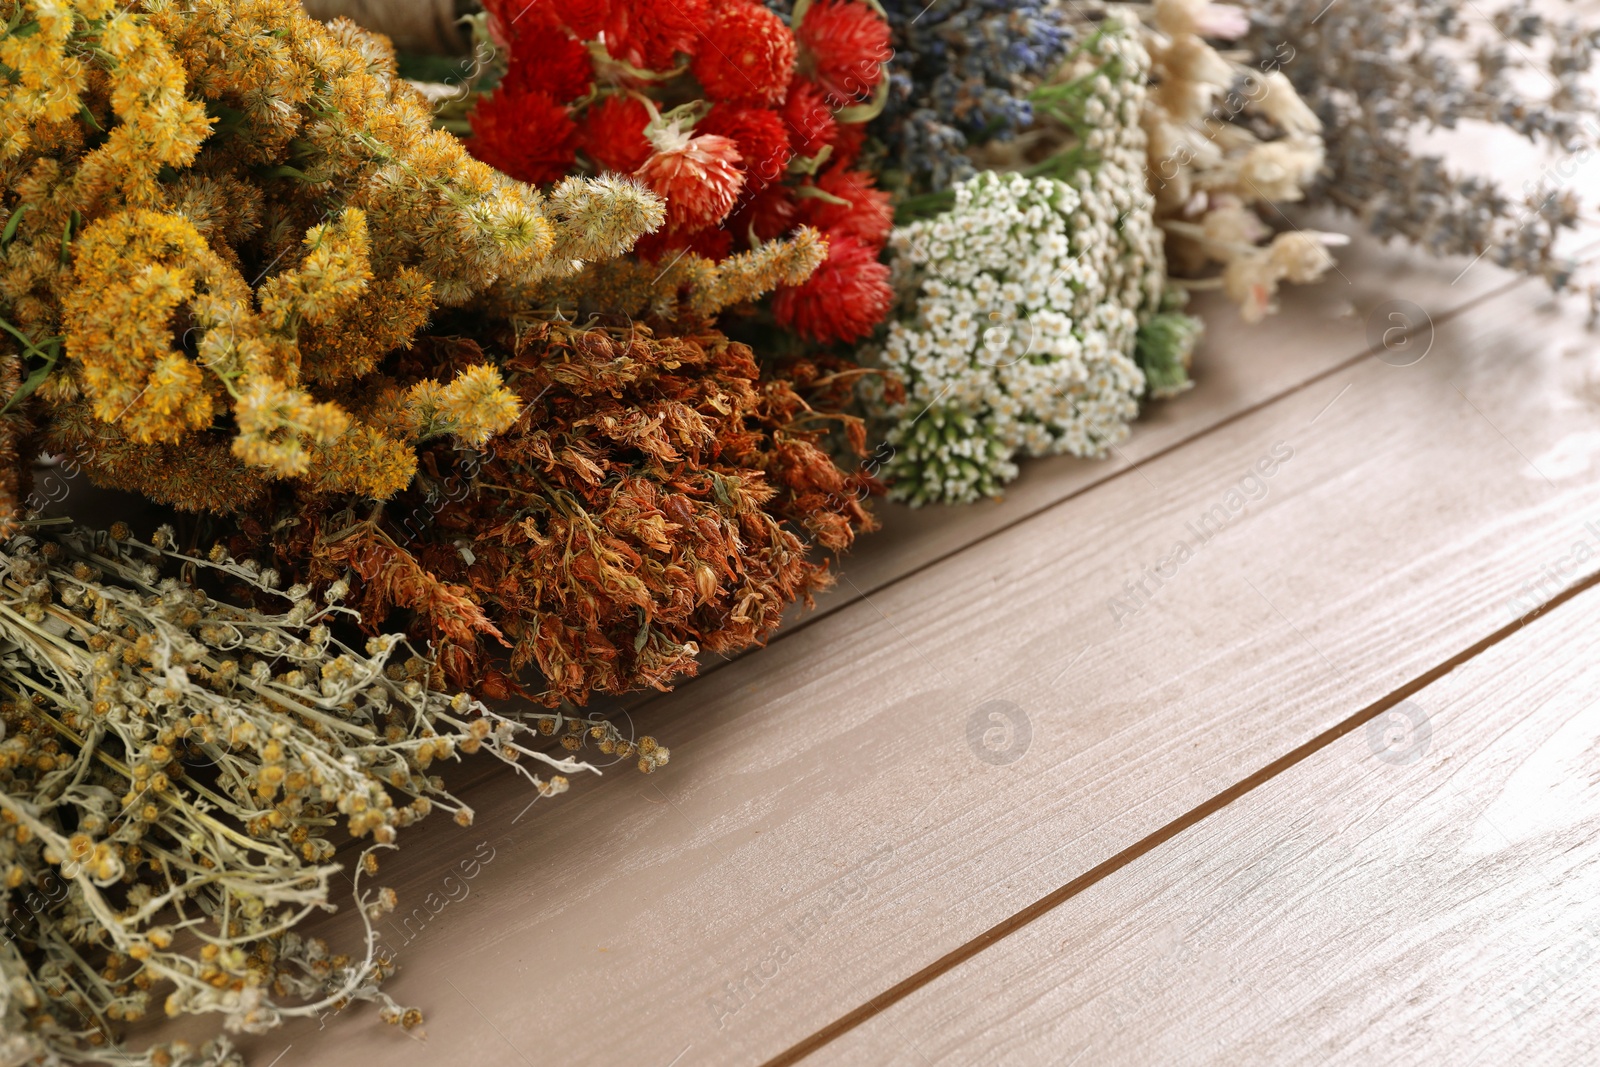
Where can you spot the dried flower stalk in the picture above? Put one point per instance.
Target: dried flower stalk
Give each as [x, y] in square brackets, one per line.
[174, 772]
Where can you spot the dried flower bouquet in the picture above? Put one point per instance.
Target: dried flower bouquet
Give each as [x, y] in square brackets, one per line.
[554, 409]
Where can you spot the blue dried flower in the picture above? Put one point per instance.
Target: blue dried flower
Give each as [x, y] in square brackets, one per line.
[961, 75]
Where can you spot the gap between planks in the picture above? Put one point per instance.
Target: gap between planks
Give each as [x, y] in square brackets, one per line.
[1044, 905]
[1366, 908]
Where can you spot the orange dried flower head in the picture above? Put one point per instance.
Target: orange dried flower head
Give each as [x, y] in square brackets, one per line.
[699, 177]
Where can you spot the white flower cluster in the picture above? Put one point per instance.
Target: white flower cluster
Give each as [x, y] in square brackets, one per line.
[1028, 297]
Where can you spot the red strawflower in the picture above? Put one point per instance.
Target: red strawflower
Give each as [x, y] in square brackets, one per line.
[762, 138]
[844, 300]
[527, 135]
[585, 18]
[748, 55]
[769, 214]
[714, 243]
[649, 34]
[868, 216]
[845, 45]
[613, 133]
[847, 140]
[809, 118]
[548, 58]
[699, 177]
[514, 23]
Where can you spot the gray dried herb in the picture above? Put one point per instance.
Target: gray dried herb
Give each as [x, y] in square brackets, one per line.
[176, 772]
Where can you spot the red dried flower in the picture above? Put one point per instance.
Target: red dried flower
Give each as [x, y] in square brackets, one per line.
[762, 138]
[548, 59]
[868, 215]
[585, 18]
[515, 24]
[847, 141]
[527, 135]
[714, 243]
[844, 300]
[845, 45]
[613, 133]
[503, 18]
[770, 213]
[748, 55]
[809, 118]
[699, 177]
[651, 33]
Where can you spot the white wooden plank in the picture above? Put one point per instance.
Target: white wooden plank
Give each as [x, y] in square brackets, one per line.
[1425, 889]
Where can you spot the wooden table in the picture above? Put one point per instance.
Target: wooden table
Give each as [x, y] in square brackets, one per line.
[1035, 786]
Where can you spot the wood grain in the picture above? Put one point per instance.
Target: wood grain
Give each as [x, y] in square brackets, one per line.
[827, 828]
[1426, 889]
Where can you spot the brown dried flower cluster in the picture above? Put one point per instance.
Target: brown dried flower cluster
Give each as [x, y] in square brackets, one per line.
[657, 497]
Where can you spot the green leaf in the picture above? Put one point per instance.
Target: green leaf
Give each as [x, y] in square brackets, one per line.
[814, 192]
[228, 119]
[286, 171]
[74, 221]
[871, 109]
[810, 164]
[10, 231]
[25, 390]
[29, 348]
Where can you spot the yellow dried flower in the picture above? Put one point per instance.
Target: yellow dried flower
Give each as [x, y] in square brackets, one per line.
[275, 423]
[221, 216]
[132, 272]
[473, 408]
[691, 284]
[601, 219]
